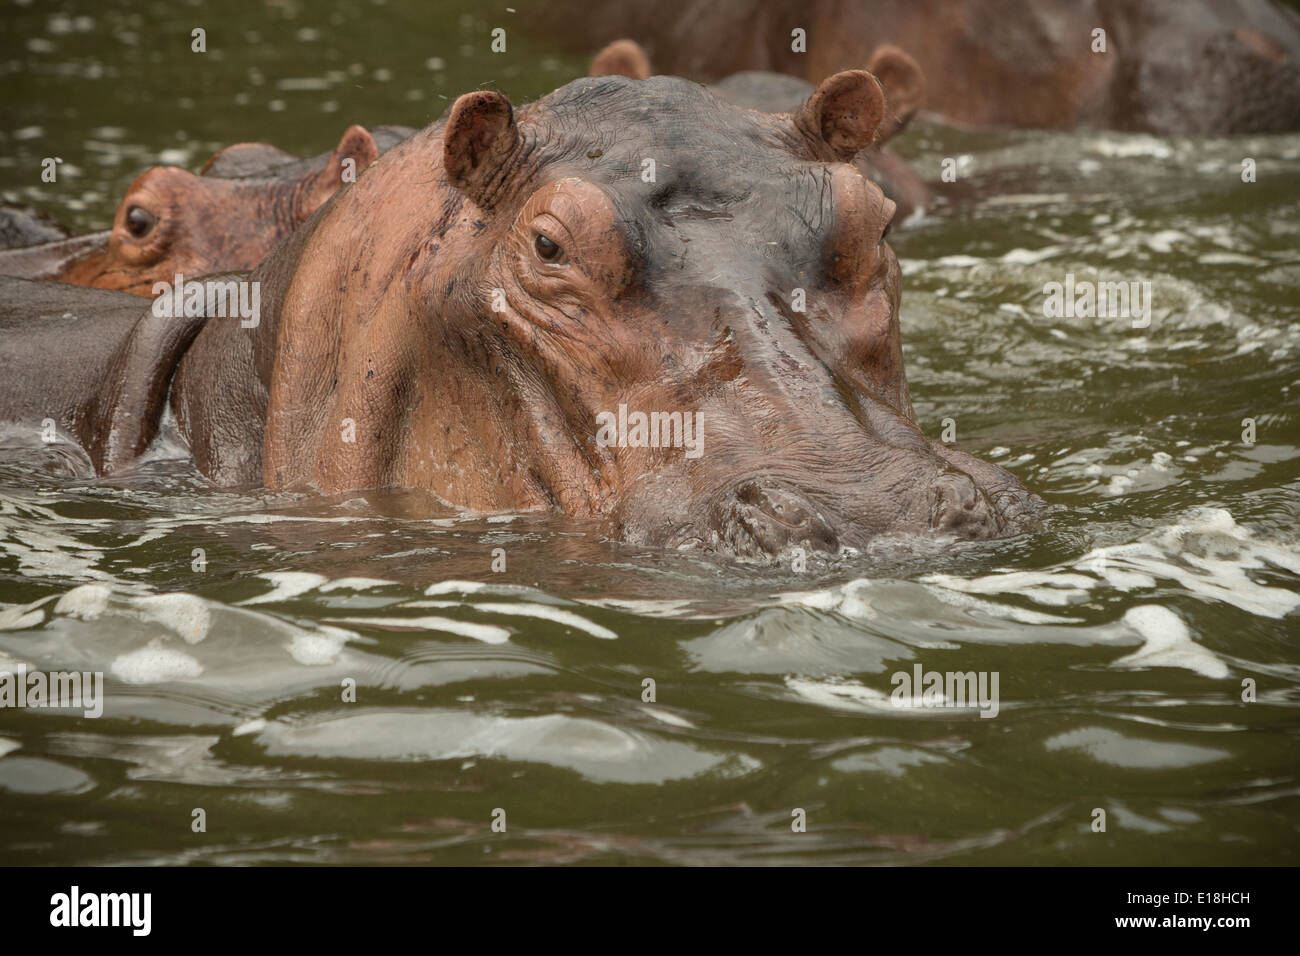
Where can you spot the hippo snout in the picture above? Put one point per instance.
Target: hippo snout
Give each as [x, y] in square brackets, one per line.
[960, 507]
[759, 519]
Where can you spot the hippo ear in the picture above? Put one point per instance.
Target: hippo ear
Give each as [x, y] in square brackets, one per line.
[354, 154]
[350, 158]
[480, 136]
[843, 113]
[904, 85]
[621, 58]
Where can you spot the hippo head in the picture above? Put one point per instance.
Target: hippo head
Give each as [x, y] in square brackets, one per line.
[704, 297]
[171, 221]
[633, 302]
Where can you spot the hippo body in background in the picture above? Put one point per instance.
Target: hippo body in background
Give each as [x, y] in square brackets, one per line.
[1175, 67]
[246, 199]
[20, 226]
[459, 320]
[904, 88]
[90, 361]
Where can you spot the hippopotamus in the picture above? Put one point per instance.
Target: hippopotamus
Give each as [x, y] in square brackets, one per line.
[20, 226]
[904, 86]
[493, 313]
[1172, 67]
[244, 201]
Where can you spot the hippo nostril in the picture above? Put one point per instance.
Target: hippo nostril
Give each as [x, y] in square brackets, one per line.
[957, 505]
[761, 520]
[1018, 509]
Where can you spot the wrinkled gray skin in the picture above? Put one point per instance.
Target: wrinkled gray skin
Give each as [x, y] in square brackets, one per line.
[263, 160]
[20, 226]
[811, 437]
[779, 93]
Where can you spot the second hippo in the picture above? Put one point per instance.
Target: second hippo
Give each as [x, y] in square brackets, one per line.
[246, 199]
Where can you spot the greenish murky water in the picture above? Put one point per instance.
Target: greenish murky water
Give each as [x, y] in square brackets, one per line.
[1166, 575]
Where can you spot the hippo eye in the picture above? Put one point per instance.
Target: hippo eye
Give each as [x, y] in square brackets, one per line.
[547, 249]
[139, 221]
[888, 227]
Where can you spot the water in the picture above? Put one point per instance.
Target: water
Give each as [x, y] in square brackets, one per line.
[1166, 574]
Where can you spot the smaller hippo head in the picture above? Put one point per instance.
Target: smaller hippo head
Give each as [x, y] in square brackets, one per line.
[171, 221]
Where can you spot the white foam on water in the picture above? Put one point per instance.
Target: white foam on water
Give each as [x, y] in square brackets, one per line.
[1126, 147]
[145, 538]
[11, 504]
[439, 604]
[644, 606]
[1168, 643]
[666, 717]
[1024, 257]
[455, 587]
[1007, 611]
[155, 664]
[8, 746]
[86, 602]
[262, 518]
[288, 584]
[1165, 239]
[957, 262]
[1055, 588]
[487, 633]
[1018, 199]
[1229, 259]
[1207, 553]
[185, 614]
[848, 599]
[320, 648]
[49, 553]
[566, 618]
[254, 726]
[20, 617]
[1101, 562]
